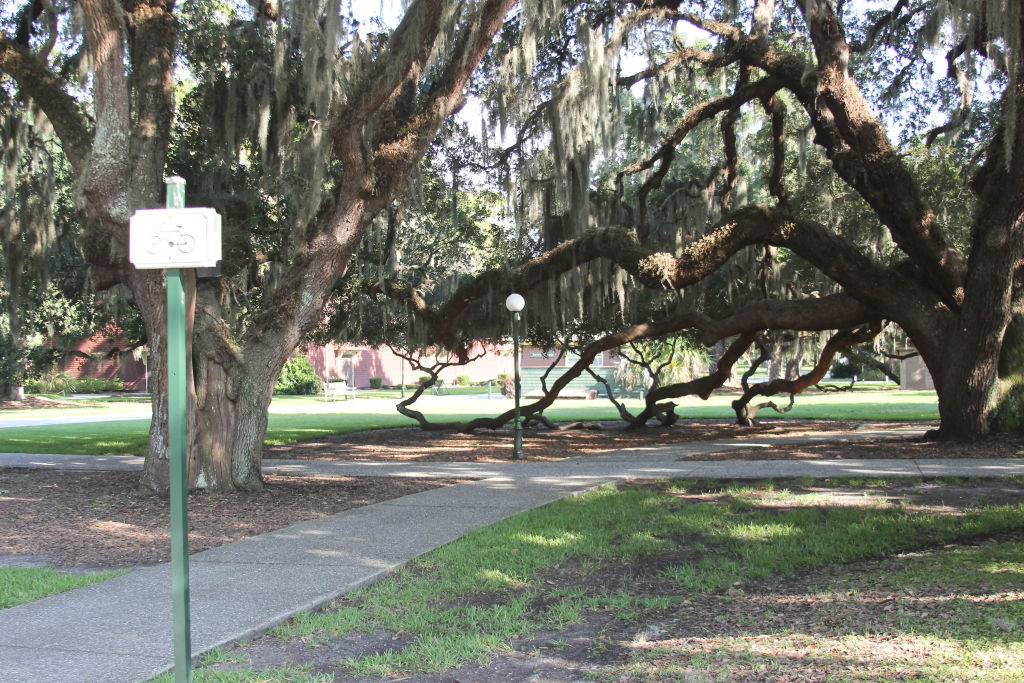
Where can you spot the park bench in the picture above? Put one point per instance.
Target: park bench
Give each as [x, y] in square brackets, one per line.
[338, 388]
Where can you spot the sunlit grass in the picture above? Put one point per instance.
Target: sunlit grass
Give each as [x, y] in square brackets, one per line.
[295, 419]
[121, 437]
[435, 597]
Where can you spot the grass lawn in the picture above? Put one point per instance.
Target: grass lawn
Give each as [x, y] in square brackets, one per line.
[86, 409]
[298, 418]
[684, 580]
[19, 585]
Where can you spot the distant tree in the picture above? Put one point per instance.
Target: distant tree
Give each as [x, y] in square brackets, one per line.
[45, 301]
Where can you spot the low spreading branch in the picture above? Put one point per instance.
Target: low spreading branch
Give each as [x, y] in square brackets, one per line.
[702, 386]
[433, 370]
[745, 413]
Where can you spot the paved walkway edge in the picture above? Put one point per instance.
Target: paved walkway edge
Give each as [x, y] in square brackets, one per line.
[121, 629]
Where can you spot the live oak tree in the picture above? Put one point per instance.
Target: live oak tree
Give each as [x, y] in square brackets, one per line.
[823, 115]
[298, 125]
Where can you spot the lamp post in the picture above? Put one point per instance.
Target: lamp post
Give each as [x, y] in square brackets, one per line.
[515, 303]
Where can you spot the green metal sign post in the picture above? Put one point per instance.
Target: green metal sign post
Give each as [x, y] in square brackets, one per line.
[172, 239]
[176, 428]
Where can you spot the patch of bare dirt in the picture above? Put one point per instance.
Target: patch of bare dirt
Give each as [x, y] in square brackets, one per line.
[414, 444]
[36, 402]
[98, 520]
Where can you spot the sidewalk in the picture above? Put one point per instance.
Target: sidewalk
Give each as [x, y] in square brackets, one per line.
[120, 630]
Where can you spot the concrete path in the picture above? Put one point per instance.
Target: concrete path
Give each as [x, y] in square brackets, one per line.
[120, 630]
[70, 419]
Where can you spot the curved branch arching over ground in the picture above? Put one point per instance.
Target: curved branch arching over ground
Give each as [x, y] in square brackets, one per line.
[745, 415]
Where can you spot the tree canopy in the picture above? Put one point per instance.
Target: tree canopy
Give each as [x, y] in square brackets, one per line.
[744, 167]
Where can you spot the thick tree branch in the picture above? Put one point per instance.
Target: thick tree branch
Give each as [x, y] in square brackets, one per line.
[776, 185]
[718, 28]
[666, 152]
[838, 342]
[702, 386]
[854, 140]
[37, 81]
[728, 128]
[153, 31]
[408, 50]
[763, 354]
[531, 122]
[682, 56]
[396, 155]
[882, 289]
[886, 21]
[888, 186]
[959, 117]
[106, 178]
[810, 315]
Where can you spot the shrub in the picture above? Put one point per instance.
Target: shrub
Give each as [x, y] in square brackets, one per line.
[13, 362]
[502, 378]
[298, 377]
[424, 379]
[376, 382]
[95, 385]
[87, 385]
[844, 368]
[51, 383]
[462, 381]
[44, 359]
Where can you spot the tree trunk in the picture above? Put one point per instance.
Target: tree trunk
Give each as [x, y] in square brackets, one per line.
[793, 369]
[982, 353]
[776, 364]
[234, 386]
[983, 392]
[1009, 411]
[980, 360]
[12, 393]
[966, 397]
[150, 290]
[232, 424]
[149, 293]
